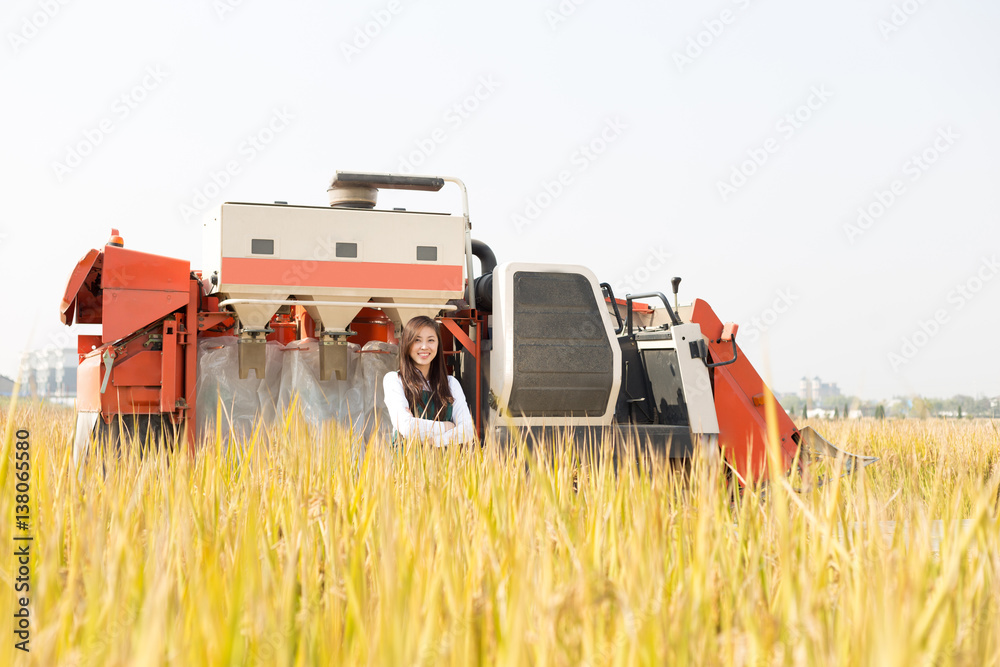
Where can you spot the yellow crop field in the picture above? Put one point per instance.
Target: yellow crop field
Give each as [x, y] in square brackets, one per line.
[303, 548]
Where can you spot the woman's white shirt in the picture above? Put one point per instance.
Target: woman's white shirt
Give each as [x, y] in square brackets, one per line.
[405, 424]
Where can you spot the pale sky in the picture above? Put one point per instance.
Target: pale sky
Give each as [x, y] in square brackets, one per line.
[731, 143]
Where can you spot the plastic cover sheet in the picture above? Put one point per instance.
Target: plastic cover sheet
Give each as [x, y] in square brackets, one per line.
[219, 380]
[86, 424]
[320, 401]
[268, 390]
[291, 374]
[377, 359]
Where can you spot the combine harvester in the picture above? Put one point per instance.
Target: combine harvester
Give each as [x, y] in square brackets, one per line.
[305, 304]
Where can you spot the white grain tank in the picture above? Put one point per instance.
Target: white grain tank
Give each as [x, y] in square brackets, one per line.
[335, 261]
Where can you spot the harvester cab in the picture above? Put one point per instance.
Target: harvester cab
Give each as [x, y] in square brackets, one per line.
[303, 305]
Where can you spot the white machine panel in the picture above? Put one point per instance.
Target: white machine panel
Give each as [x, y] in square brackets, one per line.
[697, 385]
[271, 252]
[555, 360]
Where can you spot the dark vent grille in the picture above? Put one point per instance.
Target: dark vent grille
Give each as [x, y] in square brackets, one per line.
[564, 363]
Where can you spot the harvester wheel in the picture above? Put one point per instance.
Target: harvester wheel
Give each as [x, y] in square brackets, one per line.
[137, 431]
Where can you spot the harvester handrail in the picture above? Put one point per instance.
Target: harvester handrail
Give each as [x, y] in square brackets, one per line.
[646, 295]
[614, 303]
[725, 363]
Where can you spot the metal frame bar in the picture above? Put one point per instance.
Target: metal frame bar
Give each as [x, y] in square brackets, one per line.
[168, 367]
[189, 338]
[474, 346]
[378, 305]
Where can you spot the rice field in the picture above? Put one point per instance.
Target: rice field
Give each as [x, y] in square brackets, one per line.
[304, 548]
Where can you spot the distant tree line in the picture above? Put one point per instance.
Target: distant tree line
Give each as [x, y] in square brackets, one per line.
[899, 407]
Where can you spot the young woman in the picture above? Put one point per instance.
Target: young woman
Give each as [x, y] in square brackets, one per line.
[422, 399]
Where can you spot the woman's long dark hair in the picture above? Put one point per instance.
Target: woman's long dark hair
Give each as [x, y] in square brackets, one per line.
[413, 380]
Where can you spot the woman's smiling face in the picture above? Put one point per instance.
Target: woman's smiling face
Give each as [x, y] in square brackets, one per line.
[424, 349]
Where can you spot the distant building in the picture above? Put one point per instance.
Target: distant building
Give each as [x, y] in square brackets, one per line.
[7, 387]
[50, 373]
[815, 390]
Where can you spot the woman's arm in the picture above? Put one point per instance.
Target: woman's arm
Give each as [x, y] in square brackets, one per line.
[403, 421]
[465, 428]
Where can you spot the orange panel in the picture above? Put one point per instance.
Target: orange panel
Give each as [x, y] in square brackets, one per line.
[134, 387]
[371, 275]
[85, 344]
[88, 383]
[128, 310]
[131, 269]
[140, 288]
[77, 296]
[742, 423]
[138, 370]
